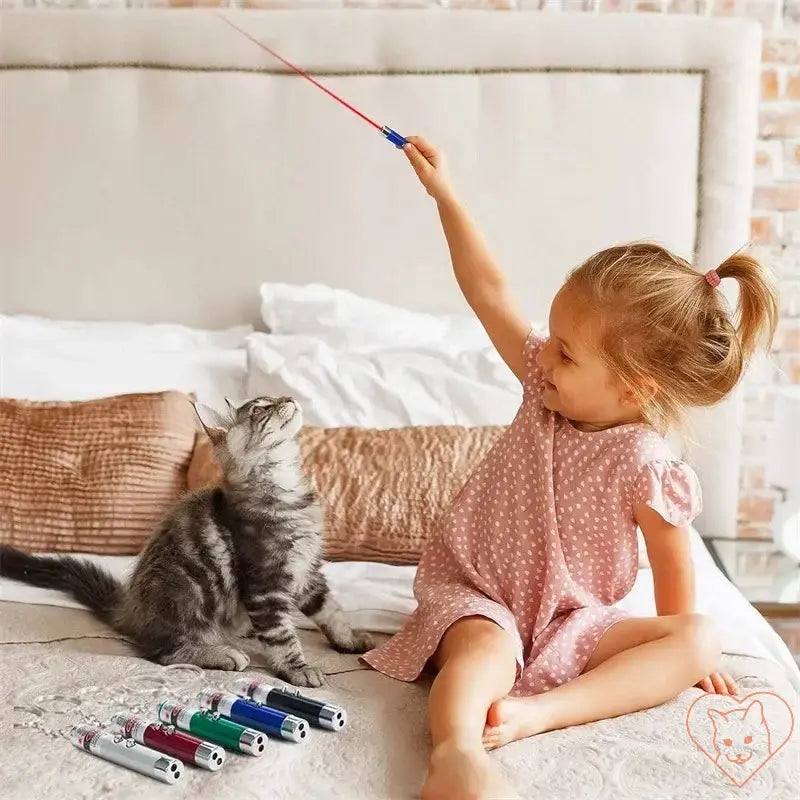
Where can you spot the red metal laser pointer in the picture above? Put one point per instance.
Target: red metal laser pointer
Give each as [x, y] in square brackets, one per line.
[395, 138]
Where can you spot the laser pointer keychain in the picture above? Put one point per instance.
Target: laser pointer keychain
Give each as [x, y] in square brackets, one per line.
[393, 136]
[215, 729]
[269, 720]
[127, 753]
[323, 715]
[166, 739]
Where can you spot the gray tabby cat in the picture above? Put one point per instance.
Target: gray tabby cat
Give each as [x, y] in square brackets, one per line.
[228, 566]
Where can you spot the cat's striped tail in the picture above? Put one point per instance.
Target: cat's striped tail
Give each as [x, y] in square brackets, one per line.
[90, 585]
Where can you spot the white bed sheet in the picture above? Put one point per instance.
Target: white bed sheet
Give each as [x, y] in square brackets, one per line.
[379, 597]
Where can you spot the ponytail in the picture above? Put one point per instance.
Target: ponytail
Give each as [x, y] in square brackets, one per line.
[757, 310]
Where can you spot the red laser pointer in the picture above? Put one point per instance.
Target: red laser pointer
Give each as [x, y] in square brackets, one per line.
[395, 138]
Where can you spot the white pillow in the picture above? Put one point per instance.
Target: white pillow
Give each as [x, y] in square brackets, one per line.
[21, 328]
[344, 319]
[54, 360]
[86, 373]
[383, 386]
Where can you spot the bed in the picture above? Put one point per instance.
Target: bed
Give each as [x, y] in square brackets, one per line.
[158, 167]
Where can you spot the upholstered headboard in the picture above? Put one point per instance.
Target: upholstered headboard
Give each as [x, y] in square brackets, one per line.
[157, 165]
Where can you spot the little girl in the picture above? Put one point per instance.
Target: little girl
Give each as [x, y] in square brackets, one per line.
[515, 595]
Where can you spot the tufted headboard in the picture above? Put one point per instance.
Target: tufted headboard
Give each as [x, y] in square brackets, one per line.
[156, 165]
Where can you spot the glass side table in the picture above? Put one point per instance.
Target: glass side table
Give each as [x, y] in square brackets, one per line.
[767, 577]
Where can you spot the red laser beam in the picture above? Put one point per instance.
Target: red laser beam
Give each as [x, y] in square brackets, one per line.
[304, 74]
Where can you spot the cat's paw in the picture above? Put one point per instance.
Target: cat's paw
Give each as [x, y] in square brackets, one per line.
[310, 677]
[230, 659]
[241, 661]
[210, 657]
[357, 642]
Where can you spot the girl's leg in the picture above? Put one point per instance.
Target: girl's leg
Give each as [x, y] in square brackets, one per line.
[639, 663]
[476, 666]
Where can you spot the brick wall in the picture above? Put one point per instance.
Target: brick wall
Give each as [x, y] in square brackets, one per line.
[775, 225]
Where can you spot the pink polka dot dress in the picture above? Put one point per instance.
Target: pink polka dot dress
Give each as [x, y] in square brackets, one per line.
[542, 540]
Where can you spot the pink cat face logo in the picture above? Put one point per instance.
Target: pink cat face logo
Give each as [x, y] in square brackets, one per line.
[740, 735]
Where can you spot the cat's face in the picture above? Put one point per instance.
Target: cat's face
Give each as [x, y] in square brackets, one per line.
[741, 735]
[257, 425]
[268, 420]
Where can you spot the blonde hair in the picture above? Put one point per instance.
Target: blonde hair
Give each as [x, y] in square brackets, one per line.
[667, 332]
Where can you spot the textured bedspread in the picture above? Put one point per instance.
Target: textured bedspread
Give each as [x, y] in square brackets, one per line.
[59, 666]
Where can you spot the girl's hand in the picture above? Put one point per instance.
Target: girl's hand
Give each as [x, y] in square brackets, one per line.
[430, 165]
[718, 683]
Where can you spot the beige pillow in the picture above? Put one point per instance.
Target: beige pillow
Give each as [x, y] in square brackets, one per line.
[383, 491]
[94, 476]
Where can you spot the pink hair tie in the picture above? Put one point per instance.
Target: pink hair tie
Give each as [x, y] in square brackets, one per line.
[712, 276]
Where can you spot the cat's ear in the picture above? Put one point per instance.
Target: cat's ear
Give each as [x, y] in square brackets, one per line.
[715, 716]
[230, 405]
[755, 713]
[214, 424]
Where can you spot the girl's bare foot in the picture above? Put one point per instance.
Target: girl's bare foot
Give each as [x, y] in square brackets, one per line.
[513, 718]
[456, 772]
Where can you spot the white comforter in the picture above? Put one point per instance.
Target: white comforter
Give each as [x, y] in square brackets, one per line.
[61, 667]
[379, 597]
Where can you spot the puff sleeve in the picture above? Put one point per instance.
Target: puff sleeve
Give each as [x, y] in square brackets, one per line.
[670, 488]
[534, 342]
